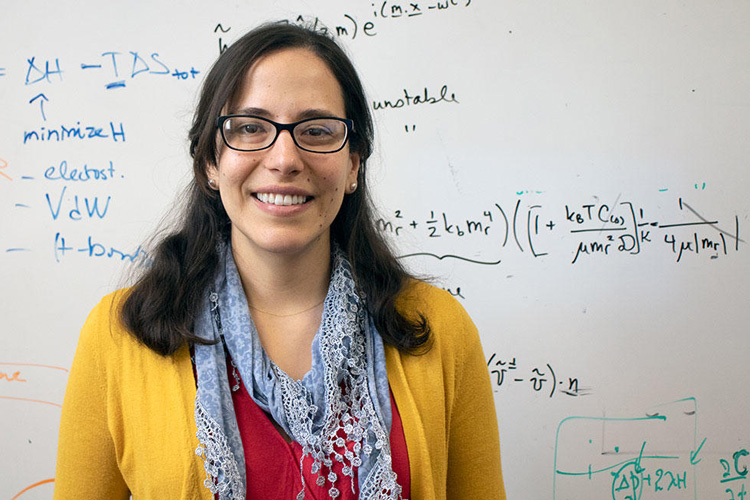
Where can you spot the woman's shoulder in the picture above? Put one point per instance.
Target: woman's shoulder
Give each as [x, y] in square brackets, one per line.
[418, 296]
[106, 313]
[108, 349]
[448, 320]
[104, 329]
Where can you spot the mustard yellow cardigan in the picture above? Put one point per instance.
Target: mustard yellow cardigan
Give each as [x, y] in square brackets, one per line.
[128, 425]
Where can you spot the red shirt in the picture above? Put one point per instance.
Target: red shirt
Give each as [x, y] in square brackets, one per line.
[272, 463]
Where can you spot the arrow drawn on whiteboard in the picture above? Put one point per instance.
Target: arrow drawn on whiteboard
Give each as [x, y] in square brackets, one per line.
[457, 257]
[694, 454]
[41, 98]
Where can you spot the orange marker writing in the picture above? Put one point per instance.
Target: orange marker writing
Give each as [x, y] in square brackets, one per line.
[15, 377]
[31, 487]
[4, 164]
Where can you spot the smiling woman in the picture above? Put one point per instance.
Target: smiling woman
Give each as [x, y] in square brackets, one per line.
[276, 348]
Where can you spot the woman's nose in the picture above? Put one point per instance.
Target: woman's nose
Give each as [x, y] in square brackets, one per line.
[284, 155]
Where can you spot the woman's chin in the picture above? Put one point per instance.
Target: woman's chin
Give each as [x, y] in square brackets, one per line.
[288, 243]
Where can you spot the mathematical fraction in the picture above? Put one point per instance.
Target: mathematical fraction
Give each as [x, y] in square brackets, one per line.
[584, 231]
[734, 477]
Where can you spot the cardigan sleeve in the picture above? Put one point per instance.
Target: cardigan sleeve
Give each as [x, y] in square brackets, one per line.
[473, 441]
[86, 458]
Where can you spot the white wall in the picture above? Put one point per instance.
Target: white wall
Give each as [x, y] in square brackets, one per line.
[554, 113]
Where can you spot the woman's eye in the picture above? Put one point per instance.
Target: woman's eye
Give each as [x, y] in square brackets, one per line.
[251, 128]
[316, 131]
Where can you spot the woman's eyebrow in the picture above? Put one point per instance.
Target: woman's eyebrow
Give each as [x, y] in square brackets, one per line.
[302, 115]
[252, 111]
[315, 113]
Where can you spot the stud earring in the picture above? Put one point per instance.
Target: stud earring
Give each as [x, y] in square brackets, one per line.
[212, 183]
[353, 187]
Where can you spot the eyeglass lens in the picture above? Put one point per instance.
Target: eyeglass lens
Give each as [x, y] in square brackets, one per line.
[249, 133]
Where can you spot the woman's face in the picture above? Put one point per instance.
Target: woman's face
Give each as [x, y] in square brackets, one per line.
[285, 86]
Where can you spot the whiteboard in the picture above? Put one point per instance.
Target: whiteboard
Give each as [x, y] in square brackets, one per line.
[574, 172]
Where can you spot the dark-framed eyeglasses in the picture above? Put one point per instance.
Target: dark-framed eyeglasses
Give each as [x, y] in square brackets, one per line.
[325, 134]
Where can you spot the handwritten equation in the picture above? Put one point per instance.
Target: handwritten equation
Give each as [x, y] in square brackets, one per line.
[585, 231]
[734, 474]
[651, 456]
[658, 454]
[53, 194]
[540, 379]
[351, 25]
[114, 68]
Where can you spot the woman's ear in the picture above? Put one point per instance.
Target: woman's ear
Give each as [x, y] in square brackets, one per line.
[212, 173]
[351, 179]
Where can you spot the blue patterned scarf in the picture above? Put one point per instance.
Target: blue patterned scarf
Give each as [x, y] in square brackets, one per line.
[345, 391]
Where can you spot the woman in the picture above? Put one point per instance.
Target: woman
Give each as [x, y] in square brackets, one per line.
[276, 348]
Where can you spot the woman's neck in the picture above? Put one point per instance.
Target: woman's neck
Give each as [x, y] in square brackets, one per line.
[285, 294]
[283, 284]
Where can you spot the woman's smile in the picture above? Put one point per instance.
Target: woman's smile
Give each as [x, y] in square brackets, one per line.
[281, 199]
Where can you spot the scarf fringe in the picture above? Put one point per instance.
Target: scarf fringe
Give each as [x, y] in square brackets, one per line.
[222, 474]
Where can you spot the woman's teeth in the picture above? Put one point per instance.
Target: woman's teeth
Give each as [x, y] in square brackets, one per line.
[281, 199]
